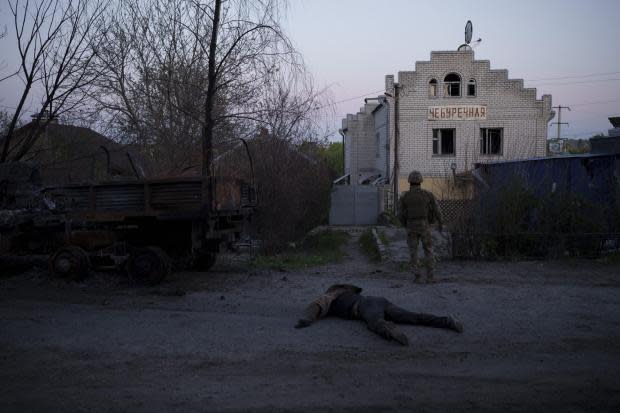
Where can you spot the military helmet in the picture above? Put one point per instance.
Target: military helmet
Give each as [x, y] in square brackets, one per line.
[415, 177]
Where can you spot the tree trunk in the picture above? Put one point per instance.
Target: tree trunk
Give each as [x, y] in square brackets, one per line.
[207, 131]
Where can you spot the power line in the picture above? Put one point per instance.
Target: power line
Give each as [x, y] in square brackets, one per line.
[577, 83]
[348, 99]
[577, 134]
[575, 77]
[507, 106]
[595, 103]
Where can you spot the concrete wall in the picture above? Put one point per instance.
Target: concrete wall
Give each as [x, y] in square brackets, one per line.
[360, 143]
[380, 115]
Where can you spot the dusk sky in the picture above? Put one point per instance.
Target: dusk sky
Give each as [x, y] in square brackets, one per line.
[568, 49]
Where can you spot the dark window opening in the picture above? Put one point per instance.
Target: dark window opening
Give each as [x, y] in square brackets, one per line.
[443, 141]
[471, 87]
[432, 88]
[491, 141]
[452, 85]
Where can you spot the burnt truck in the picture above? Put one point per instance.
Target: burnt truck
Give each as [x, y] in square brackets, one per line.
[144, 226]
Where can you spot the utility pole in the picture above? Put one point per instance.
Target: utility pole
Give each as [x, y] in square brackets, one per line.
[396, 138]
[559, 122]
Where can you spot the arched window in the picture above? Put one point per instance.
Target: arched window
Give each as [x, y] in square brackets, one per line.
[471, 87]
[432, 88]
[452, 85]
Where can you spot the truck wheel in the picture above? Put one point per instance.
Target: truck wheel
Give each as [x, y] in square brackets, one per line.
[69, 262]
[148, 265]
[204, 261]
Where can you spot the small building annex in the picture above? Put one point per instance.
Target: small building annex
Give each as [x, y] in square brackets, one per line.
[442, 118]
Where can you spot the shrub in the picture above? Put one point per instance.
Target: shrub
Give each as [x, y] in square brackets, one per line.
[293, 190]
[368, 245]
[513, 222]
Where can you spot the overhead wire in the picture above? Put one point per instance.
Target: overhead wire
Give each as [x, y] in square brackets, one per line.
[578, 83]
[575, 77]
[532, 80]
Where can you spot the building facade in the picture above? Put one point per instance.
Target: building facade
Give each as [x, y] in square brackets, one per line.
[608, 144]
[365, 140]
[442, 118]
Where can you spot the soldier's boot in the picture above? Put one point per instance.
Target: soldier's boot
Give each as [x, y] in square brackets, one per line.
[454, 324]
[415, 270]
[389, 331]
[430, 270]
[430, 276]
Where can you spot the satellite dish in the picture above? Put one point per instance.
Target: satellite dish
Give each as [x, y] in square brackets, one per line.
[468, 31]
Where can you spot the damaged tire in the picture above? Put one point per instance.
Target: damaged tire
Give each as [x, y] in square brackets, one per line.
[148, 265]
[70, 262]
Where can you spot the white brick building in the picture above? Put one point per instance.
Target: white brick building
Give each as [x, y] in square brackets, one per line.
[453, 111]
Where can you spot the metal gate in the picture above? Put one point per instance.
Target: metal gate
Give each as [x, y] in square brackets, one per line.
[354, 205]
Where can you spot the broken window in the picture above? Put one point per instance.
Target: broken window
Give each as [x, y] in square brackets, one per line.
[443, 141]
[491, 141]
[452, 85]
[471, 87]
[432, 88]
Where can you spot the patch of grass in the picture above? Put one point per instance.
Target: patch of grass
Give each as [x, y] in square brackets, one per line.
[317, 249]
[387, 217]
[384, 239]
[613, 258]
[325, 240]
[368, 246]
[404, 266]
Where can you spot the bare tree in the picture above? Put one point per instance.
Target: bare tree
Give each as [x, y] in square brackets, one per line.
[154, 78]
[247, 48]
[56, 49]
[294, 110]
[180, 76]
[3, 34]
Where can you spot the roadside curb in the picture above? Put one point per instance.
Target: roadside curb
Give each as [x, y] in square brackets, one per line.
[384, 255]
[351, 229]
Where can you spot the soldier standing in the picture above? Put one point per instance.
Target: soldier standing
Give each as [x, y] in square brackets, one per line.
[418, 210]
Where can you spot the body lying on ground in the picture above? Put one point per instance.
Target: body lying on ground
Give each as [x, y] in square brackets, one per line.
[380, 315]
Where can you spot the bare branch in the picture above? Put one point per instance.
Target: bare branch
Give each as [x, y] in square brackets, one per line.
[55, 46]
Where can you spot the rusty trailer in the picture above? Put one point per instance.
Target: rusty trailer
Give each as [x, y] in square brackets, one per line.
[143, 226]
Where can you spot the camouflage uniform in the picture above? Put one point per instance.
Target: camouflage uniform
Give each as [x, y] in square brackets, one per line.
[418, 209]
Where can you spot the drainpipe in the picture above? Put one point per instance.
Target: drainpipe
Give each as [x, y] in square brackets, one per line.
[396, 139]
[387, 136]
[343, 153]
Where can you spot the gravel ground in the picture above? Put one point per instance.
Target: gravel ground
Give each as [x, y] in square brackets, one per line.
[539, 336]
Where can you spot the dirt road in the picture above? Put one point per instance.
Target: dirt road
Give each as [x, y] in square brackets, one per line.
[539, 336]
